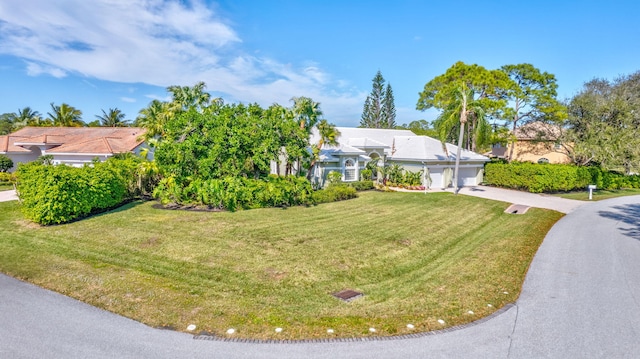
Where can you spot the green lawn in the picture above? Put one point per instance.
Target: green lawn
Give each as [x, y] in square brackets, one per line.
[418, 258]
[599, 194]
[5, 187]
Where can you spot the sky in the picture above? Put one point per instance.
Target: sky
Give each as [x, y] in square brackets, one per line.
[101, 54]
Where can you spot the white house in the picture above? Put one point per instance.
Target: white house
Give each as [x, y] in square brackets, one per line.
[73, 146]
[414, 153]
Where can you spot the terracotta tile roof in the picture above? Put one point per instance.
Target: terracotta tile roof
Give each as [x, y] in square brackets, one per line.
[99, 140]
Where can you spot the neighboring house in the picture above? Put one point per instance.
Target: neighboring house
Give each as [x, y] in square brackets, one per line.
[73, 146]
[357, 146]
[535, 142]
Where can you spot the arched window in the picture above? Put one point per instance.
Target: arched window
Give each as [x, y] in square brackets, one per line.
[543, 160]
[349, 170]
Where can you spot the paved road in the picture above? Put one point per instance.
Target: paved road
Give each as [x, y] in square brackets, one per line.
[581, 299]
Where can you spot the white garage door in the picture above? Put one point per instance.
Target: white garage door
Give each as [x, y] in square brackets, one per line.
[436, 177]
[468, 176]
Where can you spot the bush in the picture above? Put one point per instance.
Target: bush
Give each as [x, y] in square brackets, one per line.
[60, 194]
[7, 178]
[334, 177]
[545, 177]
[5, 163]
[334, 193]
[360, 185]
[233, 193]
[366, 175]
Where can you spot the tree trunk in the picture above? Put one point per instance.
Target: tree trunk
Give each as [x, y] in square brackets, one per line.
[463, 121]
[515, 126]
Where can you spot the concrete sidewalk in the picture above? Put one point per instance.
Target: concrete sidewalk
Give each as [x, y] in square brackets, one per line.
[6, 196]
[518, 197]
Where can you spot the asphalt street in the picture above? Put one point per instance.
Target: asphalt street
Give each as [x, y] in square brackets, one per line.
[581, 299]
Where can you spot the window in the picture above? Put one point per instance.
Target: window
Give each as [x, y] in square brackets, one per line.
[349, 170]
[543, 160]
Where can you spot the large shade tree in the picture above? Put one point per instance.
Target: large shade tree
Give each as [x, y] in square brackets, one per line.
[532, 97]
[486, 89]
[603, 124]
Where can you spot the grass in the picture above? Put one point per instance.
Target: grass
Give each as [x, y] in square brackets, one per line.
[418, 258]
[6, 187]
[599, 194]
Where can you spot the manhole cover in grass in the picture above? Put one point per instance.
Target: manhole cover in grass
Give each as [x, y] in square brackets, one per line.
[347, 295]
[517, 209]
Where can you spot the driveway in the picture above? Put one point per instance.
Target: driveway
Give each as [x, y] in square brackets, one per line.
[525, 198]
[580, 299]
[8, 196]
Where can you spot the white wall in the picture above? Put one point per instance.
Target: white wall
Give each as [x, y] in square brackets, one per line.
[22, 158]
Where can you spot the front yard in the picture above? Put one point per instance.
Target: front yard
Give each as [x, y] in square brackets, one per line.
[417, 258]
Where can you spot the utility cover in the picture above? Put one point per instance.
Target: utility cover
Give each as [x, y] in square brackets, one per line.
[517, 209]
[348, 295]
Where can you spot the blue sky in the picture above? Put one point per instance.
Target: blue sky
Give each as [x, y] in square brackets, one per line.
[101, 54]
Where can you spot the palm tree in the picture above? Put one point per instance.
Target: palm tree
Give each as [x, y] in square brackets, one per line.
[154, 118]
[65, 116]
[307, 112]
[115, 118]
[24, 117]
[185, 97]
[461, 109]
[328, 135]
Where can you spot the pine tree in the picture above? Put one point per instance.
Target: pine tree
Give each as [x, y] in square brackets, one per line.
[379, 109]
[388, 109]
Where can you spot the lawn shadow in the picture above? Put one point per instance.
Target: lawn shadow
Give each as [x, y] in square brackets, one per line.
[119, 208]
[629, 214]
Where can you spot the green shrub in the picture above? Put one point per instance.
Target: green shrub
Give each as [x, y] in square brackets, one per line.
[5, 163]
[334, 193]
[546, 177]
[60, 194]
[233, 193]
[366, 175]
[7, 178]
[360, 185]
[411, 178]
[334, 177]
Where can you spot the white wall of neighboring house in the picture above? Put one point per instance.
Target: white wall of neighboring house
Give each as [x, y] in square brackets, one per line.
[21, 158]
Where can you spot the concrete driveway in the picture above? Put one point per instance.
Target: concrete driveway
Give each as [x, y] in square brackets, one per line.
[580, 299]
[8, 196]
[525, 198]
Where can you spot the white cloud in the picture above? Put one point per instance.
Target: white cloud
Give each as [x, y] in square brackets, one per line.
[162, 43]
[128, 99]
[34, 69]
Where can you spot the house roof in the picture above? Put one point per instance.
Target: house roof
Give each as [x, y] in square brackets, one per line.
[424, 148]
[397, 144]
[73, 140]
[364, 137]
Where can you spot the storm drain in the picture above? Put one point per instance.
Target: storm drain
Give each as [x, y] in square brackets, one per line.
[347, 295]
[517, 209]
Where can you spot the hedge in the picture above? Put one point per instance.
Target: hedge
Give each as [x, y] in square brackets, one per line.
[335, 192]
[539, 178]
[232, 193]
[59, 194]
[360, 185]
